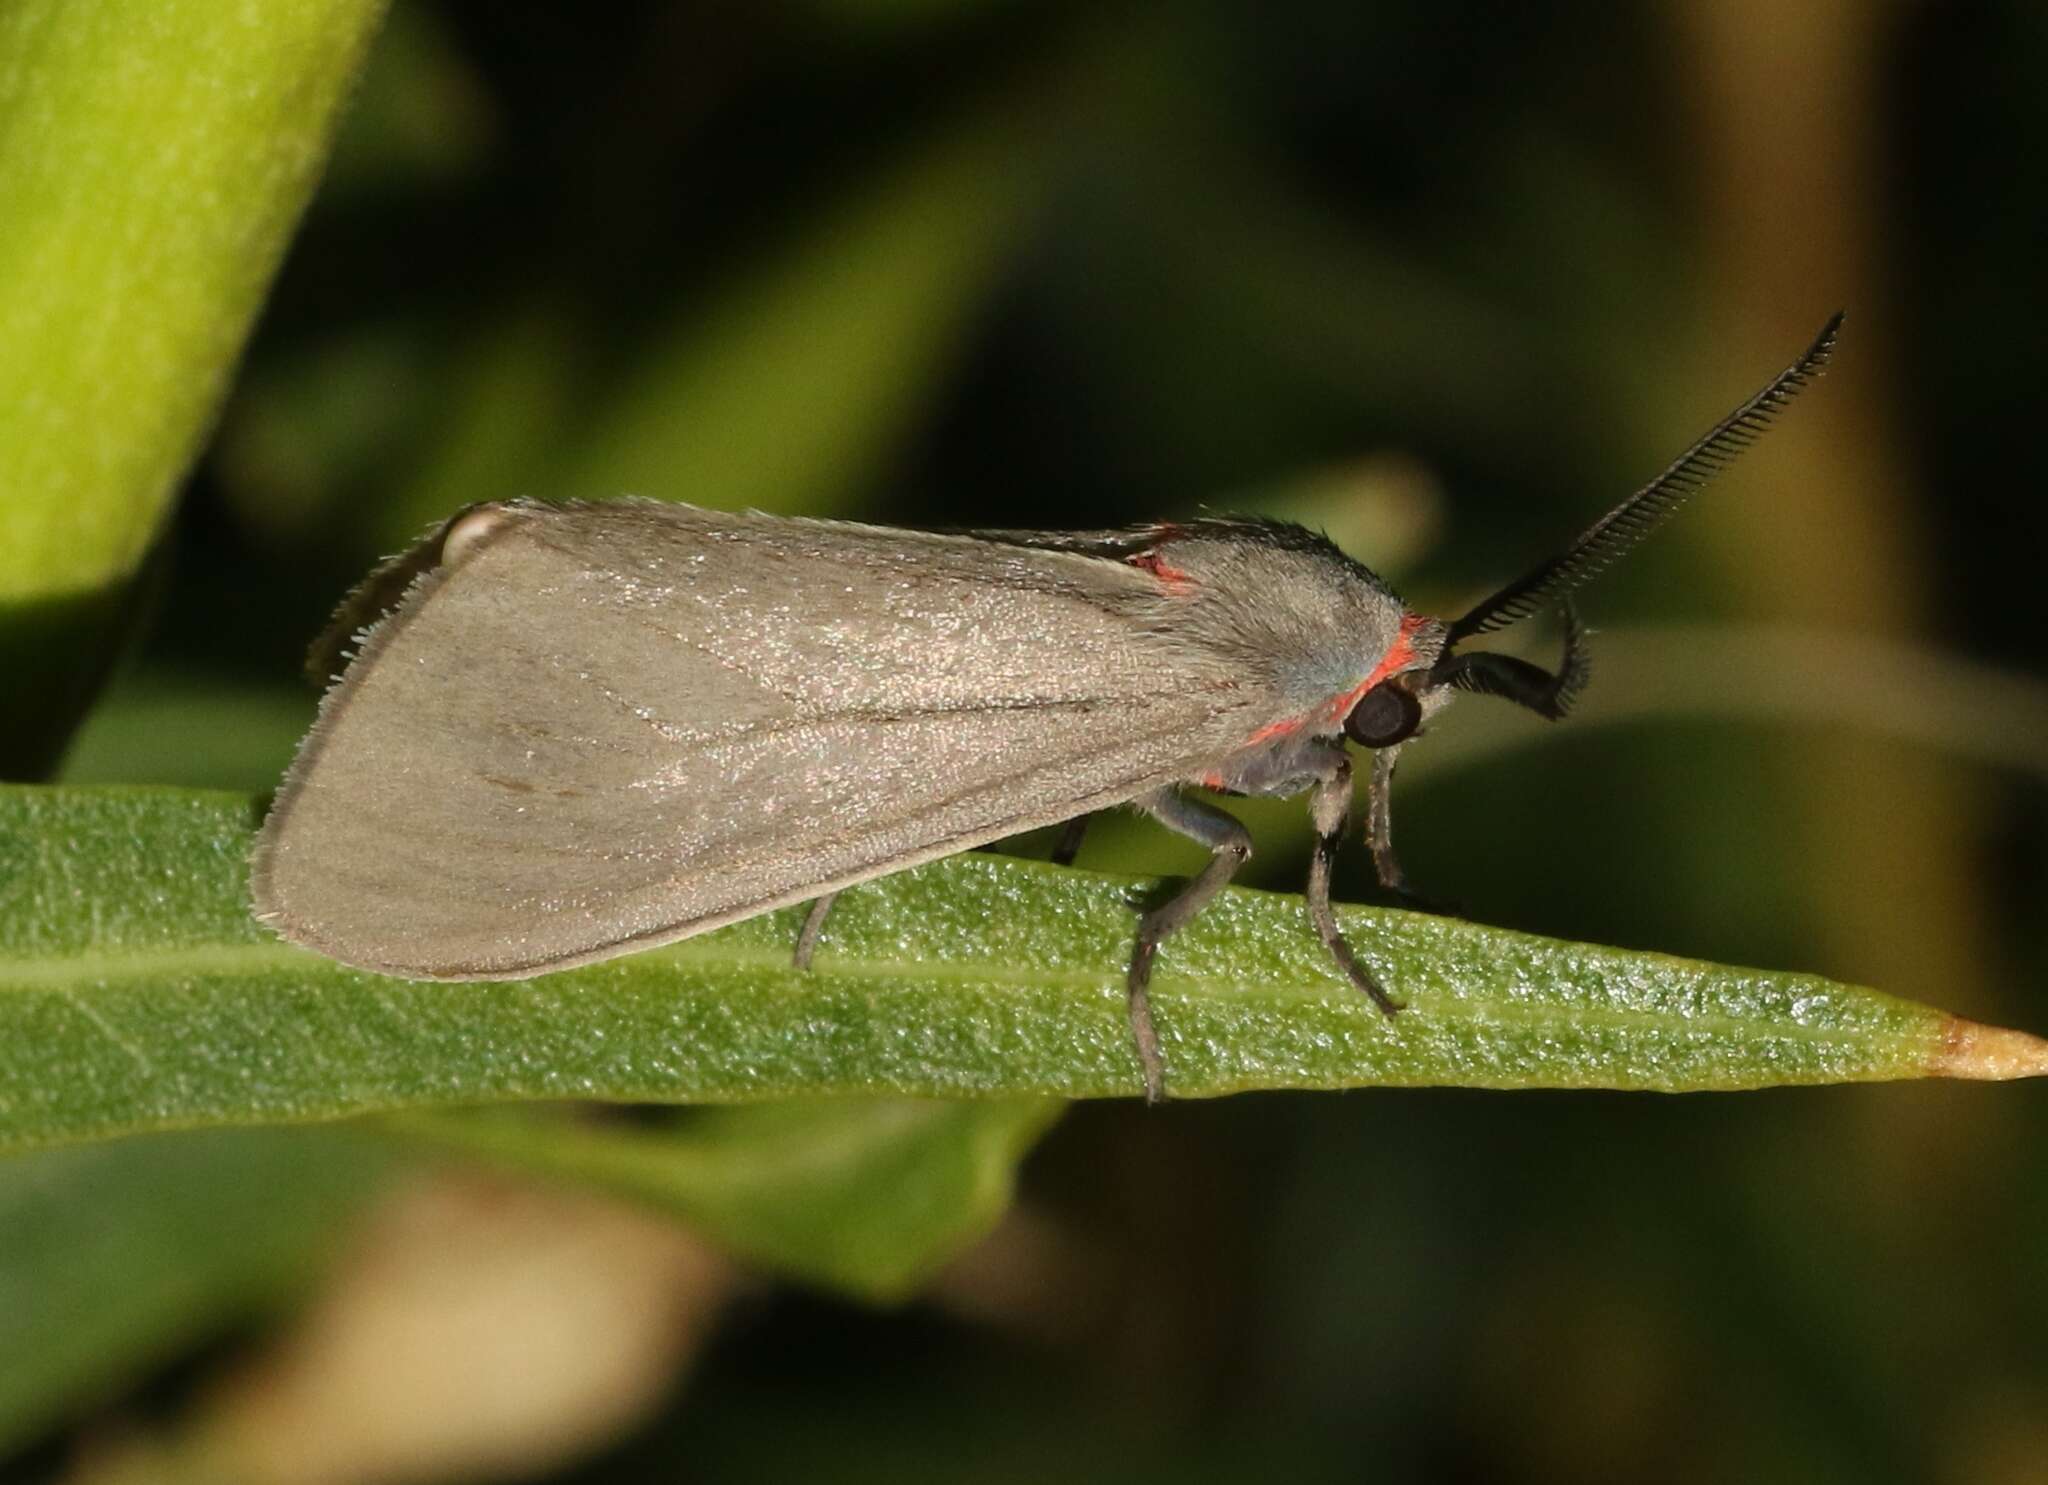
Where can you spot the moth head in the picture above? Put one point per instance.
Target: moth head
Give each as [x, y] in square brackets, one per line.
[1394, 710]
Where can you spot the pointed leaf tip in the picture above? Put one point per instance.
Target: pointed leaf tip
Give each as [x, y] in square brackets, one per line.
[136, 992]
[1970, 1049]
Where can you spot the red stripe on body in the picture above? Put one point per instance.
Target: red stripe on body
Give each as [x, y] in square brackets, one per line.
[1277, 729]
[1170, 576]
[1400, 654]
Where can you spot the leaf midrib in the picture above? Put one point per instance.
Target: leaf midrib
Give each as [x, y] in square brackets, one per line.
[66, 972]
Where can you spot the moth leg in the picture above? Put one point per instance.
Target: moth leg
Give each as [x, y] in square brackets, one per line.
[1068, 846]
[1328, 807]
[1231, 846]
[814, 924]
[1379, 835]
[1379, 823]
[1063, 853]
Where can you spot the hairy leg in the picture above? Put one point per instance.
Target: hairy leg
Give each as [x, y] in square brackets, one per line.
[1329, 806]
[1379, 824]
[1068, 846]
[1064, 850]
[814, 924]
[1230, 846]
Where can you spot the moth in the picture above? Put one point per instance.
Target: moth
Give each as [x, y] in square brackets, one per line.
[573, 731]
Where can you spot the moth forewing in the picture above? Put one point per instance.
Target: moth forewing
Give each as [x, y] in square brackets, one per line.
[605, 727]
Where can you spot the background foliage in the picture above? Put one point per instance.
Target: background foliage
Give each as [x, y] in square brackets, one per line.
[1445, 278]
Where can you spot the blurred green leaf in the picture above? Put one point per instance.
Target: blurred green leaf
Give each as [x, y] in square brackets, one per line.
[784, 384]
[136, 992]
[891, 19]
[422, 118]
[786, 389]
[1207, 270]
[867, 1195]
[1385, 505]
[166, 728]
[154, 155]
[504, 416]
[113, 1257]
[307, 431]
[1777, 673]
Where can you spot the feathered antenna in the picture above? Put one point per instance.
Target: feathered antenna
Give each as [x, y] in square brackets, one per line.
[1636, 517]
[1487, 674]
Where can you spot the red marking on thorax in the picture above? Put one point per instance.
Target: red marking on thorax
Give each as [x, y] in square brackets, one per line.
[1171, 577]
[1277, 729]
[1400, 653]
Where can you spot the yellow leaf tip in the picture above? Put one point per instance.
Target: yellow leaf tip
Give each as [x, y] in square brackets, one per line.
[1970, 1049]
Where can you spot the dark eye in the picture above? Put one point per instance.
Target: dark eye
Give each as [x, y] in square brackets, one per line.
[1385, 715]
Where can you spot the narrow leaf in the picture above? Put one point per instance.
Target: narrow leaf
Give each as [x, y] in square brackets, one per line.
[154, 157]
[786, 389]
[115, 1256]
[137, 993]
[867, 1195]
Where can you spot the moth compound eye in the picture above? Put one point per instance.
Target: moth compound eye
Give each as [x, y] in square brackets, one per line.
[1385, 715]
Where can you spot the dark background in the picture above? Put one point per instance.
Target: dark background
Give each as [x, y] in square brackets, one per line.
[1450, 279]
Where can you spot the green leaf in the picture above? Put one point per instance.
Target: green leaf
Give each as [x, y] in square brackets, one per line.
[792, 383]
[154, 156]
[112, 1257]
[780, 385]
[167, 727]
[504, 414]
[866, 1195]
[137, 993]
